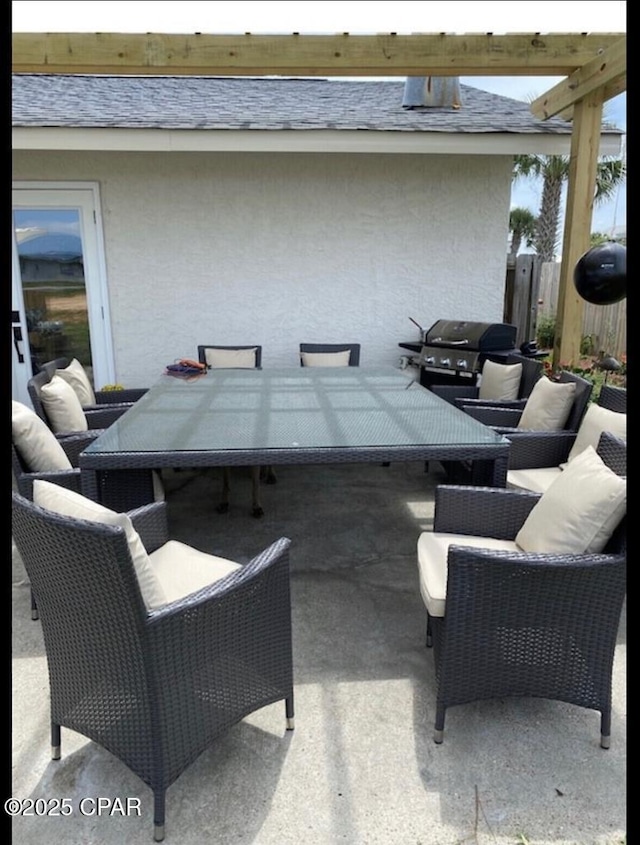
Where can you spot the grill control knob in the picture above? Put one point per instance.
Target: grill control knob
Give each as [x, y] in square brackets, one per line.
[462, 364]
[445, 362]
[429, 360]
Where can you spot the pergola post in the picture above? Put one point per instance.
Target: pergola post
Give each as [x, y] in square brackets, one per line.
[583, 163]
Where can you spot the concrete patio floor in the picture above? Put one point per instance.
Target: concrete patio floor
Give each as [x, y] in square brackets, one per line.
[361, 767]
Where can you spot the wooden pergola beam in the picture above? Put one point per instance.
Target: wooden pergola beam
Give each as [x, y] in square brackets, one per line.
[607, 71]
[608, 92]
[389, 54]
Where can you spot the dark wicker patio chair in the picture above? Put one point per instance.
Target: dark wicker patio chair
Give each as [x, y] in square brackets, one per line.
[25, 473]
[225, 356]
[504, 622]
[36, 453]
[102, 397]
[537, 457]
[508, 418]
[231, 357]
[505, 421]
[313, 349]
[97, 416]
[143, 485]
[155, 688]
[461, 394]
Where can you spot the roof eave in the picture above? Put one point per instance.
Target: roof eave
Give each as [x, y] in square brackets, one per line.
[300, 141]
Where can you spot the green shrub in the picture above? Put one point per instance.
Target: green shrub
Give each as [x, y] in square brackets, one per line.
[546, 330]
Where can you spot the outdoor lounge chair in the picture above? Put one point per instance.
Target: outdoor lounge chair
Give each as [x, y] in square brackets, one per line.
[524, 591]
[154, 648]
[329, 354]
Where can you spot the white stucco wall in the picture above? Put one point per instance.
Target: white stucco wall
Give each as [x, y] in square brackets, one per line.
[280, 248]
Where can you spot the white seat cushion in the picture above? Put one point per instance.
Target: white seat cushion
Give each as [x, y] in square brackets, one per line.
[182, 570]
[52, 497]
[595, 421]
[433, 550]
[579, 511]
[537, 479]
[549, 405]
[231, 358]
[76, 376]
[62, 406]
[325, 359]
[35, 442]
[499, 382]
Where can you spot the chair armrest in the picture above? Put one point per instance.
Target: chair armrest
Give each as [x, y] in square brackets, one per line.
[108, 407]
[150, 521]
[228, 645]
[453, 392]
[534, 449]
[613, 451]
[69, 478]
[494, 416]
[119, 397]
[274, 558]
[481, 511]
[497, 403]
[103, 417]
[76, 442]
[613, 398]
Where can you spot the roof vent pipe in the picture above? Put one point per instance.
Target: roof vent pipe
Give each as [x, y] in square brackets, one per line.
[431, 92]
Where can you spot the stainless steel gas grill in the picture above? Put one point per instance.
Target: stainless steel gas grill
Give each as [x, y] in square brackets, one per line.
[453, 351]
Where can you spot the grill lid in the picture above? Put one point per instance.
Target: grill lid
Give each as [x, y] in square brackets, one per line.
[470, 335]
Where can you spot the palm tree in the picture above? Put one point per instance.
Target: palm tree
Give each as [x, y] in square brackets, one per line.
[554, 172]
[522, 225]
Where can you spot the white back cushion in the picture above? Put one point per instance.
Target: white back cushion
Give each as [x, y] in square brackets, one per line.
[325, 359]
[231, 358]
[549, 405]
[579, 511]
[62, 406]
[595, 421]
[499, 381]
[35, 442]
[52, 497]
[76, 376]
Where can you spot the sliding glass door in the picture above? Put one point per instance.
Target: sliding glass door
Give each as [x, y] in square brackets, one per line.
[59, 306]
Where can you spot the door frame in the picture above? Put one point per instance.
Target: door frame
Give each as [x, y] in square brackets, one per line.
[84, 196]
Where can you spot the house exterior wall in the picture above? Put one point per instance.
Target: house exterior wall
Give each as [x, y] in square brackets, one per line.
[277, 248]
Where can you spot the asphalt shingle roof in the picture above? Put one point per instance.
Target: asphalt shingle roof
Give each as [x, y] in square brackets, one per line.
[188, 102]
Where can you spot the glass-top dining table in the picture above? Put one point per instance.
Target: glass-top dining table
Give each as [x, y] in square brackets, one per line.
[311, 415]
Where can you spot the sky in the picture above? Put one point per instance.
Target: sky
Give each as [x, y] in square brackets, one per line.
[362, 17]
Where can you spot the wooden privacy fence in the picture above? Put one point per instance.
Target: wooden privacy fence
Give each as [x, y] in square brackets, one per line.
[531, 290]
